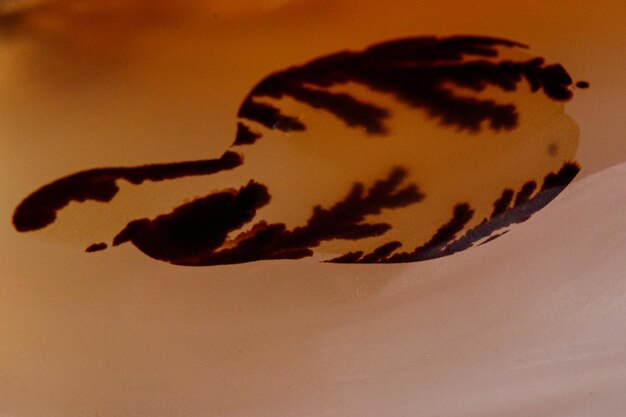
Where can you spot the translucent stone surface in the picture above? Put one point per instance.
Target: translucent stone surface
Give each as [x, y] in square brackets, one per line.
[529, 324]
[408, 150]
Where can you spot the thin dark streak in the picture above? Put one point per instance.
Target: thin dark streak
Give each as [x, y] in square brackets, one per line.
[381, 252]
[442, 243]
[524, 194]
[95, 247]
[39, 209]
[503, 203]
[494, 237]
[348, 258]
[553, 185]
[269, 116]
[352, 112]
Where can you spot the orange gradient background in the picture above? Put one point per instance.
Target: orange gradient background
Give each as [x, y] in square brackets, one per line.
[114, 83]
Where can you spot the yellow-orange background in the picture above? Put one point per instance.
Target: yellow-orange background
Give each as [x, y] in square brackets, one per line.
[119, 334]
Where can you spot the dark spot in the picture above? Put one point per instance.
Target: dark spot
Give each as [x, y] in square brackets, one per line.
[194, 233]
[553, 149]
[582, 84]
[39, 209]
[95, 247]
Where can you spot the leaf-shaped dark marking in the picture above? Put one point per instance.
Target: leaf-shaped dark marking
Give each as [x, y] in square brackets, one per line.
[95, 247]
[193, 233]
[524, 194]
[381, 252]
[421, 73]
[39, 209]
[502, 204]
[195, 228]
[443, 244]
[416, 71]
[553, 185]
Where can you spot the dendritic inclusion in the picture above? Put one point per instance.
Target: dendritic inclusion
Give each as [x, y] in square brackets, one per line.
[408, 150]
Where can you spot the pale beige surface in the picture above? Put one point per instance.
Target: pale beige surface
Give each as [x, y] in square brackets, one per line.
[531, 324]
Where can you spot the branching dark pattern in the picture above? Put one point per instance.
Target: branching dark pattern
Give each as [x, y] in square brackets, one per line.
[504, 215]
[422, 73]
[39, 209]
[191, 233]
[417, 72]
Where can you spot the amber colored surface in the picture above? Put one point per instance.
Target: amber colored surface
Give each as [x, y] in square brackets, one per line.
[525, 325]
[405, 151]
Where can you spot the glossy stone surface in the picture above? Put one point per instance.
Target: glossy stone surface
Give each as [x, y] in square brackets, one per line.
[409, 150]
[529, 324]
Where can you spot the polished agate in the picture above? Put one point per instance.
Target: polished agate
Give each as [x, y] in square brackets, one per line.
[407, 150]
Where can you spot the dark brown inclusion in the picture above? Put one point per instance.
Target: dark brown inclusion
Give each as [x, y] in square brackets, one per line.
[39, 209]
[191, 233]
[417, 72]
[443, 242]
[95, 247]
